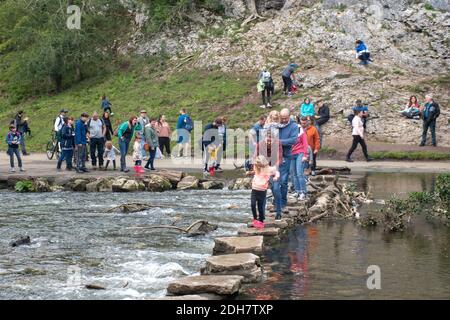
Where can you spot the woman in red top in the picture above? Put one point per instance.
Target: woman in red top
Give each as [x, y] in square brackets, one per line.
[298, 163]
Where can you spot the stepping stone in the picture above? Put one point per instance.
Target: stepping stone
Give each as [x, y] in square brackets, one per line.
[269, 232]
[216, 284]
[271, 223]
[227, 245]
[247, 265]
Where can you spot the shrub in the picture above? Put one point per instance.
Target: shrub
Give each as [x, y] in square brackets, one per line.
[24, 186]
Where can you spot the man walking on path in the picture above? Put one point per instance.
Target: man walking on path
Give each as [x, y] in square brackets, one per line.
[97, 131]
[430, 113]
[288, 136]
[358, 136]
[81, 141]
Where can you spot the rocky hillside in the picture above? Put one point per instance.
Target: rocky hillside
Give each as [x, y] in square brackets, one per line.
[409, 41]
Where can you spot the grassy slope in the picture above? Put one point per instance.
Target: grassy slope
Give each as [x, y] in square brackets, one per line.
[205, 95]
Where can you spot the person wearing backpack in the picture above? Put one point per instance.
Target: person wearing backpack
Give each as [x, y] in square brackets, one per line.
[96, 132]
[430, 113]
[288, 77]
[67, 144]
[184, 128]
[58, 124]
[266, 87]
[20, 124]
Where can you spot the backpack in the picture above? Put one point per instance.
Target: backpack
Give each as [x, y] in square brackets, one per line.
[189, 124]
[266, 76]
[89, 122]
[438, 110]
[350, 117]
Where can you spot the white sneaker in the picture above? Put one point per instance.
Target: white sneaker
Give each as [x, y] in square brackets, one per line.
[313, 173]
[11, 170]
[269, 105]
[112, 113]
[22, 170]
[301, 197]
[262, 106]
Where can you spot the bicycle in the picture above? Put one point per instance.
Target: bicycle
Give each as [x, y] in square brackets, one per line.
[53, 147]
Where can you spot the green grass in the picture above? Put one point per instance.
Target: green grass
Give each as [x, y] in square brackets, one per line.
[206, 95]
[399, 155]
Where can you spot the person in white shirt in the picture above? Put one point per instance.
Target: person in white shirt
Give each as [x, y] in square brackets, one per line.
[358, 136]
[59, 121]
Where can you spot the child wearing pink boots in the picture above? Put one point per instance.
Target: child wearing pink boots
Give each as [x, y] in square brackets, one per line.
[137, 154]
[260, 183]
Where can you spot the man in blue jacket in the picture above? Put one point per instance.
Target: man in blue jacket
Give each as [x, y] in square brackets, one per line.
[81, 141]
[430, 113]
[184, 127]
[288, 136]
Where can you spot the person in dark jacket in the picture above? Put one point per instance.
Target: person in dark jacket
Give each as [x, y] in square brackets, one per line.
[21, 125]
[362, 52]
[13, 140]
[430, 113]
[67, 144]
[81, 142]
[324, 116]
[109, 129]
[211, 135]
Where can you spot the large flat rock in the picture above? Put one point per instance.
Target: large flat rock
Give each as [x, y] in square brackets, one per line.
[268, 232]
[227, 245]
[215, 284]
[247, 265]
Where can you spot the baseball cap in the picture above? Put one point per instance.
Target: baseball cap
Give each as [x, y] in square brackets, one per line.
[64, 110]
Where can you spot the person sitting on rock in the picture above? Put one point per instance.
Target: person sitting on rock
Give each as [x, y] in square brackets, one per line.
[362, 52]
[307, 108]
[412, 109]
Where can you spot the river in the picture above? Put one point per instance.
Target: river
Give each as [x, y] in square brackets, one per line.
[75, 243]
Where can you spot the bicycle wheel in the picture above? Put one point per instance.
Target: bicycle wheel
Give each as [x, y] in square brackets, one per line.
[51, 146]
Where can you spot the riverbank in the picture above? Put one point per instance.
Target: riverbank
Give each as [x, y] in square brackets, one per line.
[37, 165]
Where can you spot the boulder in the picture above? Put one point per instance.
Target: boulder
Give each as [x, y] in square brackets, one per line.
[227, 245]
[212, 184]
[42, 185]
[78, 184]
[173, 176]
[247, 265]
[100, 185]
[127, 185]
[215, 284]
[188, 182]
[242, 184]
[157, 183]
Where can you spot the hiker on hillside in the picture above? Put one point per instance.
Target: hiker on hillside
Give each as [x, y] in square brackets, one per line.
[211, 137]
[412, 109]
[96, 133]
[164, 134]
[266, 87]
[106, 105]
[125, 134]
[307, 108]
[184, 128]
[109, 129]
[20, 125]
[430, 113]
[288, 77]
[362, 53]
[313, 138]
[288, 137]
[67, 144]
[13, 140]
[324, 116]
[358, 136]
[152, 139]
[80, 142]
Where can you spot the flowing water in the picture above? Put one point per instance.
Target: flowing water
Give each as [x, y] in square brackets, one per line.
[75, 243]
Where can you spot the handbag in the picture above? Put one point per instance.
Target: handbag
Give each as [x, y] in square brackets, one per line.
[146, 147]
[159, 154]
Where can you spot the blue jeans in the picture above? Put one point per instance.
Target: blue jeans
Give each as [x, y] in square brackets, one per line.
[151, 159]
[66, 155]
[276, 191]
[123, 146]
[81, 156]
[320, 134]
[432, 126]
[11, 152]
[285, 167]
[298, 167]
